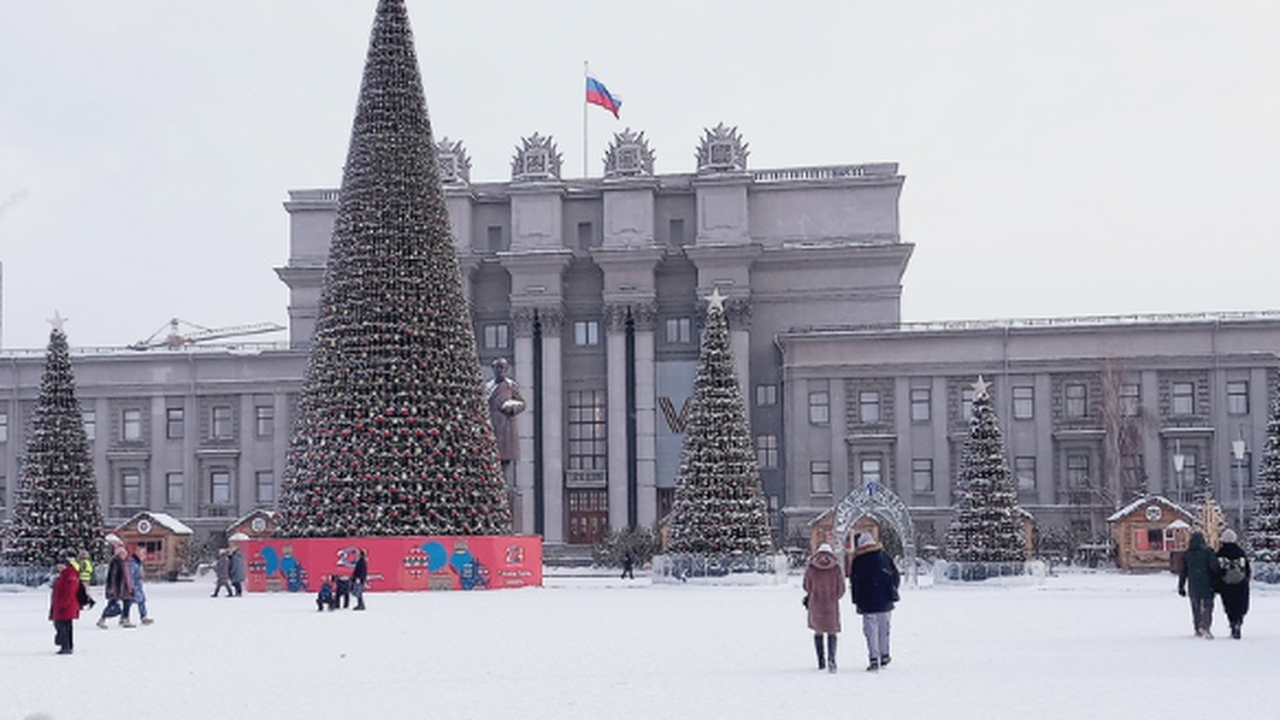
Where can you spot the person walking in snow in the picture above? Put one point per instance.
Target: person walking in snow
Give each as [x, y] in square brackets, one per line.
[119, 589]
[236, 569]
[628, 566]
[64, 605]
[222, 570]
[359, 578]
[135, 577]
[1196, 580]
[873, 587]
[1233, 583]
[823, 587]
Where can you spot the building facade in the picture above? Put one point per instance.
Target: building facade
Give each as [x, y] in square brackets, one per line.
[593, 290]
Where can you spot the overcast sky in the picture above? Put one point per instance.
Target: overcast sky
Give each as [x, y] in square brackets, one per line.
[1062, 158]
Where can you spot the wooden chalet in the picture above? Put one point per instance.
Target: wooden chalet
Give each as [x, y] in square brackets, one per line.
[1150, 533]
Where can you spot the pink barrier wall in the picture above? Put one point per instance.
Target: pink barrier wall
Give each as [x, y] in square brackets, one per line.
[396, 563]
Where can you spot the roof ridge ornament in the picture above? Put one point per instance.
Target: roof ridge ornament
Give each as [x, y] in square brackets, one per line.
[722, 151]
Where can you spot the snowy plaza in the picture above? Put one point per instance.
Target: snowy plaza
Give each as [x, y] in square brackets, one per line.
[1104, 645]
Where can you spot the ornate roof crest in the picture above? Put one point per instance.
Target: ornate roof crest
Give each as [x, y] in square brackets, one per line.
[537, 159]
[722, 150]
[455, 165]
[629, 155]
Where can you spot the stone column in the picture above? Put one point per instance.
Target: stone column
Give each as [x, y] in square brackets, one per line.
[645, 318]
[616, 392]
[738, 314]
[551, 320]
[522, 508]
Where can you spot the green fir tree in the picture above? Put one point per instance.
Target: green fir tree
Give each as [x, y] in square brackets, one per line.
[57, 510]
[719, 506]
[393, 434]
[986, 525]
[1264, 523]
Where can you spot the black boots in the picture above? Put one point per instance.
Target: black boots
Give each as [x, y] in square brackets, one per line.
[822, 657]
[831, 653]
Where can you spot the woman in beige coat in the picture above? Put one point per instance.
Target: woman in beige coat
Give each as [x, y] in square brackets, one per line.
[824, 586]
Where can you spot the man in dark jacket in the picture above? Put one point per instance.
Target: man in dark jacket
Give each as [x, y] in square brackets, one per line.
[873, 585]
[1197, 579]
[359, 578]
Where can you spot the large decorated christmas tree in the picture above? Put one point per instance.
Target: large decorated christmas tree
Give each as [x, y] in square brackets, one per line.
[57, 509]
[1264, 524]
[986, 525]
[719, 506]
[393, 435]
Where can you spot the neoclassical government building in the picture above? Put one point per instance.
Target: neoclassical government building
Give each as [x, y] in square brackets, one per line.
[594, 290]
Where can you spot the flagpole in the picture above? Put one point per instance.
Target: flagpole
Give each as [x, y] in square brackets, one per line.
[586, 73]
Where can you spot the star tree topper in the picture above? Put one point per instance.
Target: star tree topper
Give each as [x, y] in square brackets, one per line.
[57, 321]
[980, 388]
[715, 301]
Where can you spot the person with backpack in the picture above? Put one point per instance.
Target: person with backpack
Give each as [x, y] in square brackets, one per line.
[1233, 584]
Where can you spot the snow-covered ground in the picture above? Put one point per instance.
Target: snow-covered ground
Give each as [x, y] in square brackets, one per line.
[1078, 646]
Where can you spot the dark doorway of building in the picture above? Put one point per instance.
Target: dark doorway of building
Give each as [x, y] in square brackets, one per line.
[588, 516]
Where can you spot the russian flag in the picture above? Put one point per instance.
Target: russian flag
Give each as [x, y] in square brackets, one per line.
[598, 94]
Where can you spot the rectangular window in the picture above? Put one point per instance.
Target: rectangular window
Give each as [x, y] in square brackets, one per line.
[680, 330]
[922, 475]
[584, 236]
[966, 404]
[1130, 399]
[90, 424]
[264, 483]
[1024, 473]
[173, 423]
[869, 406]
[586, 332]
[1076, 396]
[4, 427]
[494, 237]
[819, 407]
[220, 487]
[221, 425]
[1238, 397]
[4, 492]
[675, 228]
[1024, 402]
[497, 336]
[766, 395]
[820, 477]
[920, 401]
[767, 451]
[1078, 472]
[1184, 398]
[174, 489]
[131, 425]
[131, 487]
[264, 421]
[871, 471]
[588, 431]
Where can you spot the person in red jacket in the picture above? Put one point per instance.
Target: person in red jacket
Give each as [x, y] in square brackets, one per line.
[65, 605]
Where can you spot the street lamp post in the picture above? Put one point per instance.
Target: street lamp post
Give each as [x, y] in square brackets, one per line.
[1237, 451]
[1179, 462]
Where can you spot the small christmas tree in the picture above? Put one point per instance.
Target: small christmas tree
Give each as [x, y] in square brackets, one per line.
[719, 506]
[1264, 525]
[393, 433]
[986, 526]
[57, 509]
[1210, 519]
